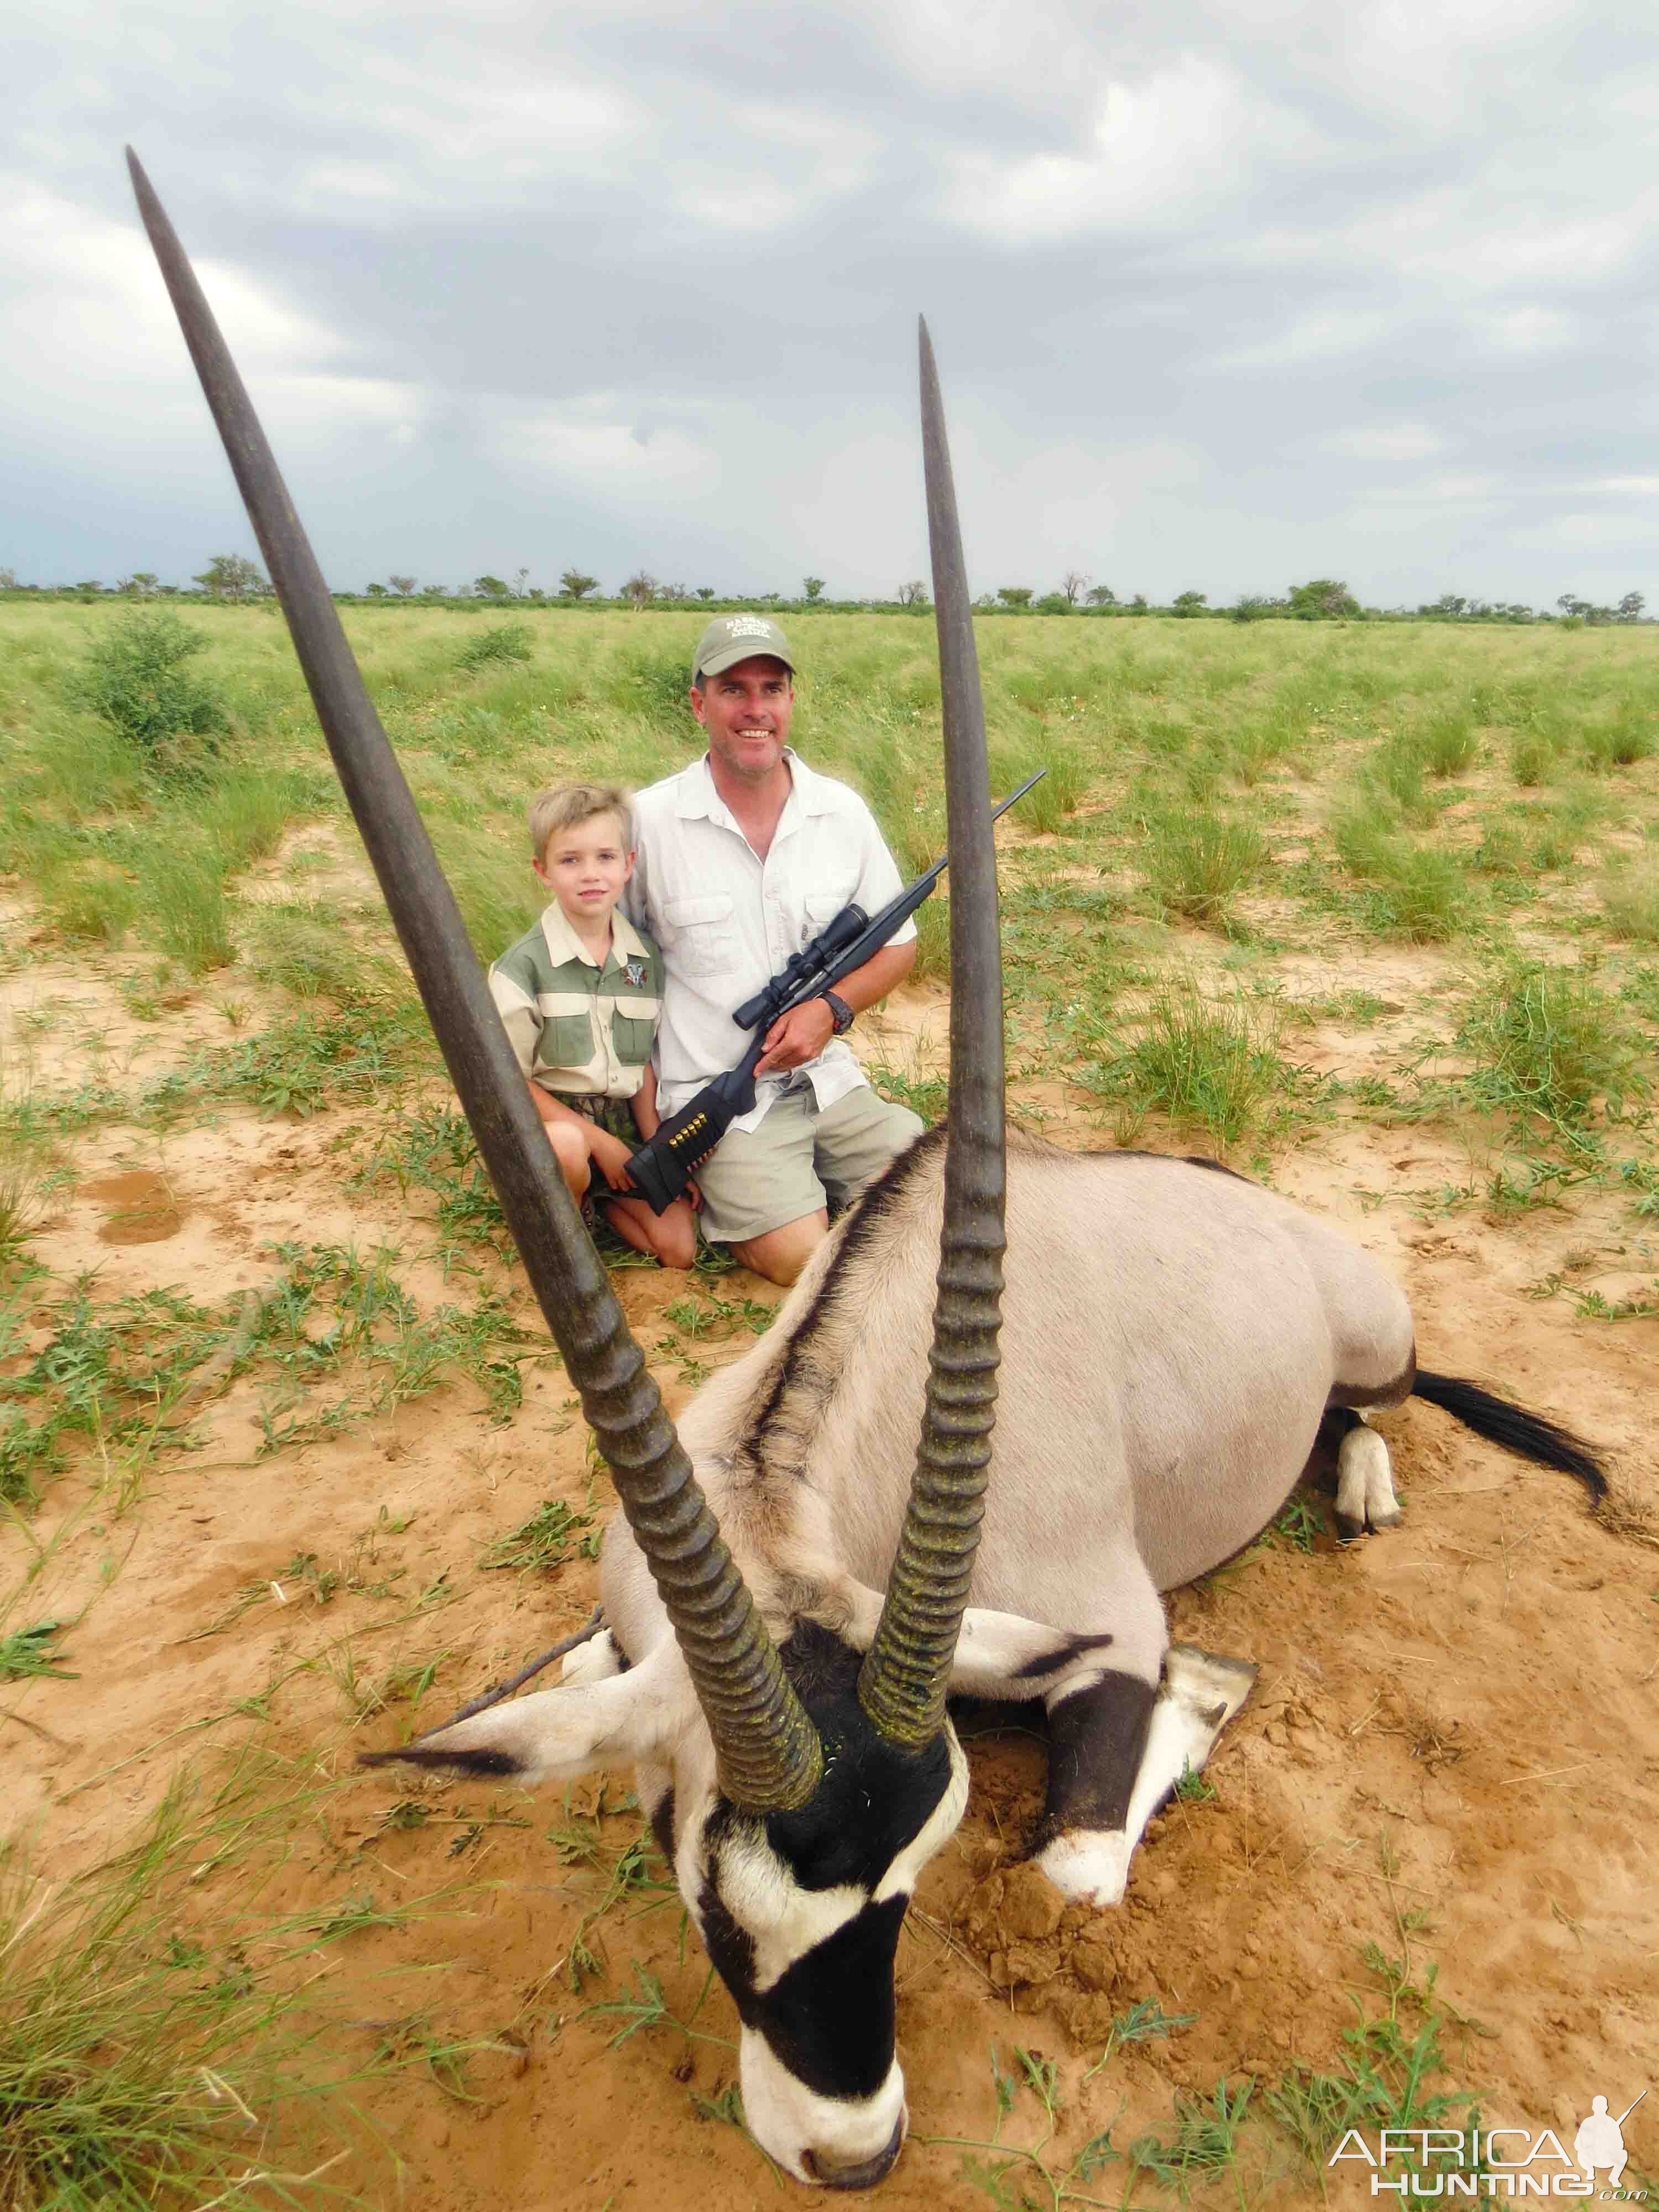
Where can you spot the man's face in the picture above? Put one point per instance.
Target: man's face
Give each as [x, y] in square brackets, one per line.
[746, 712]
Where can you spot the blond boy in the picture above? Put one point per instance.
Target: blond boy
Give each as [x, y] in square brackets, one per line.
[579, 996]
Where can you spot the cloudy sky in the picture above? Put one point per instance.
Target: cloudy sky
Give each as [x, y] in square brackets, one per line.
[1225, 292]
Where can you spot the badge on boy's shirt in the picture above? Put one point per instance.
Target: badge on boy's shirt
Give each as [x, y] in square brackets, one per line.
[636, 972]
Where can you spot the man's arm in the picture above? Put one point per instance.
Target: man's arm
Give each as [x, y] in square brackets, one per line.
[795, 1038]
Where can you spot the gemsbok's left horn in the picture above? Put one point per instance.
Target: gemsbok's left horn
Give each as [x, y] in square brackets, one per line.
[902, 1683]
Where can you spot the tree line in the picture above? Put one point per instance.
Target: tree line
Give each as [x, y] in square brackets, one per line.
[233, 577]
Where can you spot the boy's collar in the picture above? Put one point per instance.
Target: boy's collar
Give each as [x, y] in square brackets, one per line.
[563, 944]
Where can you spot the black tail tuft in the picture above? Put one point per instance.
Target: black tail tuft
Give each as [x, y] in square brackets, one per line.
[1529, 1436]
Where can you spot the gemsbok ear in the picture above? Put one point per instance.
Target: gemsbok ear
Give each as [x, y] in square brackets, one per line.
[556, 1735]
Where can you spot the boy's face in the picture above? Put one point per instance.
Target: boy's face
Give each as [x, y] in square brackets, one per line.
[584, 868]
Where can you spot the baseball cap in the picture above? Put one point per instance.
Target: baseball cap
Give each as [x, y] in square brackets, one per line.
[731, 638]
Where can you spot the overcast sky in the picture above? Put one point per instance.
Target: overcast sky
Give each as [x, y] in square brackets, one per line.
[1224, 295]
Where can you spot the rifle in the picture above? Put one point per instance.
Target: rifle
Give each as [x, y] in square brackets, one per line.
[663, 1164]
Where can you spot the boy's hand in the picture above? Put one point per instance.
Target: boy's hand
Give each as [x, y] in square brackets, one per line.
[612, 1155]
[694, 1194]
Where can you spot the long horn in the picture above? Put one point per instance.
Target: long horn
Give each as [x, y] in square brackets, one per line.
[770, 1758]
[902, 1681]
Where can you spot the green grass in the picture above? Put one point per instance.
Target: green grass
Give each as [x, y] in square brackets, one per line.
[157, 2043]
[333, 1339]
[1551, 1045]
[1211, 1066]
[541, 1542]
[1197, 862]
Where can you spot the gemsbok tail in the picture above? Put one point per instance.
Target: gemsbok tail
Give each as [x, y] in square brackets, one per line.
[1529, 1436]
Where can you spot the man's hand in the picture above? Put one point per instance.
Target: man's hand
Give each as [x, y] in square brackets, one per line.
[611, 1156]
[795, 1038]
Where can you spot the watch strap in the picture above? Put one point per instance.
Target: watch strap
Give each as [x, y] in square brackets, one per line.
[840, 1012]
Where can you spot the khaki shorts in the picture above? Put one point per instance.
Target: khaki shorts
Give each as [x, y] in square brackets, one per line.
[799, 1161]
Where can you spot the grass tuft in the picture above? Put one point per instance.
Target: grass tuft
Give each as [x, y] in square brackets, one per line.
[1199, 862]
[503, 641]
[1549, 1043]
[1210, 1065]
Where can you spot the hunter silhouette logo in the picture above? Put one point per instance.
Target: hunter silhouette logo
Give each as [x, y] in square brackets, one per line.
[1600, 2140]
[1421, 2162]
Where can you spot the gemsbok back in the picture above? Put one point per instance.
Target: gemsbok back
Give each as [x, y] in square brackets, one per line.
[787, 1597]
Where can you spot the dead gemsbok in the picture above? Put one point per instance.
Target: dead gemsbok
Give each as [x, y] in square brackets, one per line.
[787, 1599]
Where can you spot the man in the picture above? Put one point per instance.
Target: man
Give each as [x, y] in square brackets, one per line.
[742, 858]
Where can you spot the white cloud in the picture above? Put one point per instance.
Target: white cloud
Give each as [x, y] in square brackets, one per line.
[1386, 441]
[592, 444]
[1184, 136]
[1326, 334]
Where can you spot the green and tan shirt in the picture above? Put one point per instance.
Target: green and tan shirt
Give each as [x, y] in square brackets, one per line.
[577, 1028]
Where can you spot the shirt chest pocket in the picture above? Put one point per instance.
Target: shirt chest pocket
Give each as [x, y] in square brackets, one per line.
[567, 1041]
[630, 1038]
[700, 934]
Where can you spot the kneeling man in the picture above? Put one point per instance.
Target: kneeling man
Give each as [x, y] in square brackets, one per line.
[742, 858]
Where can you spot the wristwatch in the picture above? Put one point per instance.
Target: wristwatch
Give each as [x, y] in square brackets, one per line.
[840, 1012]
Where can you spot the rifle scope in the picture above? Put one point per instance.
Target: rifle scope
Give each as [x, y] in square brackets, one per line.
[766, 1006]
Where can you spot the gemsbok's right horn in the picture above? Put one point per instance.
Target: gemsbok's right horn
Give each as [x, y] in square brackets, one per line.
[769, 1753]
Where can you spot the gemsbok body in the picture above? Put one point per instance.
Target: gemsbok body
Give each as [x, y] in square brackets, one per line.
[786, 1596]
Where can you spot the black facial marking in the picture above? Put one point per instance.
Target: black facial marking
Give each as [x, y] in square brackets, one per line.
[1097, 1738]
[829, 2017]
[830, 2020]
[1050, 1662]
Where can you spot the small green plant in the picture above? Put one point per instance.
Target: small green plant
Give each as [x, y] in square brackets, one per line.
[23, 1654]
[1145, 2022]
[1195, 1788]
[1205, 2140]
[502, 641]
[136, 679]
[1298, 1524]
[537, 1544]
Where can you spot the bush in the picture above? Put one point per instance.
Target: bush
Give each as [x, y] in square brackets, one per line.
[505, 641]
[135, 680]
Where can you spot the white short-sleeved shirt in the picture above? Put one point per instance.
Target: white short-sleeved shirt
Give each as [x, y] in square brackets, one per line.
[727, 921]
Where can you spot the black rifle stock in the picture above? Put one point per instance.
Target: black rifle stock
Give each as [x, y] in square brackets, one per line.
[663, 1164]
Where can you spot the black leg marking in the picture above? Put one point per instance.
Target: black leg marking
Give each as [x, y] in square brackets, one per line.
[1050, 1662]
[662, 1825]
[1097, 1738]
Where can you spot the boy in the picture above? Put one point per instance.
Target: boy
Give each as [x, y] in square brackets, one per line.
[579, 996]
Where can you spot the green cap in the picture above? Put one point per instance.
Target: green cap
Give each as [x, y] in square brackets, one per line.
[731, 638]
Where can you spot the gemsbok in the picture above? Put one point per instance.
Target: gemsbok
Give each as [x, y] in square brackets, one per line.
[786, 1598]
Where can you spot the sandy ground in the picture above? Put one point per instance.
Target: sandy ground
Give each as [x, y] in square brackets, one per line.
[1453, 1737]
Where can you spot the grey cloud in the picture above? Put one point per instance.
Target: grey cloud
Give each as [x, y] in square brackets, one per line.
[1223, 292]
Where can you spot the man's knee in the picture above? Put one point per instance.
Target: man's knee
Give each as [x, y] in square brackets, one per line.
[780, 1253]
